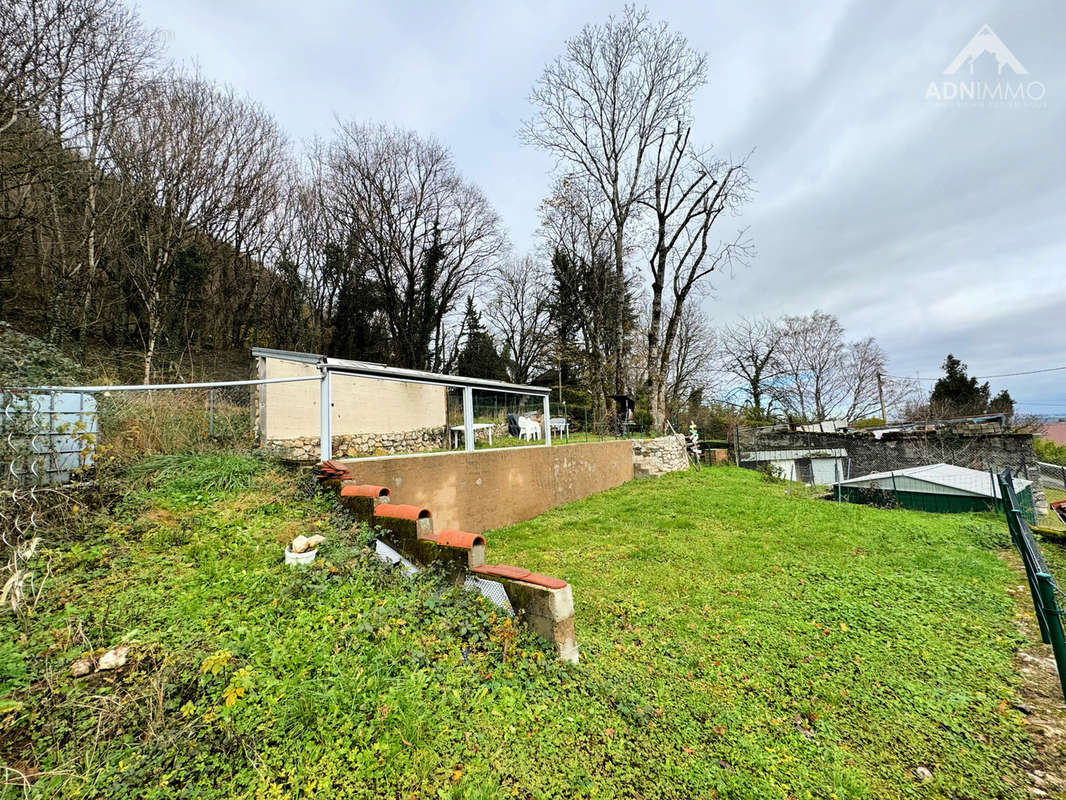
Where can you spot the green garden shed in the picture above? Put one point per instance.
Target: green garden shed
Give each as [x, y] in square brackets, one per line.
[943, 488]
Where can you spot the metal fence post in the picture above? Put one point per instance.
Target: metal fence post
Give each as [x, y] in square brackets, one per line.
[211, 412]
[325, 424]
[468, 418]
[1054, 623]
[547, 422]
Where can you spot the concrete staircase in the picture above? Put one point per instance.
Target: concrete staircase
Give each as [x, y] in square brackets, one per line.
[544, 603]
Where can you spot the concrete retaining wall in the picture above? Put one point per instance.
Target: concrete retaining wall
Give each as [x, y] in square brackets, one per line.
[487, 489]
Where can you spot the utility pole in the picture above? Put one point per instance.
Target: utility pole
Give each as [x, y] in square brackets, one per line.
[881, 397]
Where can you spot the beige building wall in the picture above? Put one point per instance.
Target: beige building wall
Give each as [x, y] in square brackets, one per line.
[360, 405]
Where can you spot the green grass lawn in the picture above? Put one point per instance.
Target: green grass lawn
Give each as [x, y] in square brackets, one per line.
[736, 642]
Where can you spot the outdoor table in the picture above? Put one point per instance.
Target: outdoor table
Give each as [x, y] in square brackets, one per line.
[478, 426]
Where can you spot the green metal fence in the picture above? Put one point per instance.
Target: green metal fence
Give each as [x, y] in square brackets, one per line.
[1042, 586]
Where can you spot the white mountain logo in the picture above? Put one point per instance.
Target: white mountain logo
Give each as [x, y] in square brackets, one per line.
[986, 41]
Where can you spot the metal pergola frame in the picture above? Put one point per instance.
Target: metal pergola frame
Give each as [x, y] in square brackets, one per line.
[365, 369]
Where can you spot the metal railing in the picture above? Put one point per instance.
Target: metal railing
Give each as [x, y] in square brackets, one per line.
[1042, 586]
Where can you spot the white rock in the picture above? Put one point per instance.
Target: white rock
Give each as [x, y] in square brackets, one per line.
[299, 544]
[114, 658]
[83, 666]
[923, 774]
[315, 541]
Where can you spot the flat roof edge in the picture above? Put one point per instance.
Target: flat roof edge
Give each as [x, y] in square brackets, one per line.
[382, 371]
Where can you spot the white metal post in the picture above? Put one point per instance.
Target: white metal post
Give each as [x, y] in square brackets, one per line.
[547, 422]
[468, 417]
[325, 424]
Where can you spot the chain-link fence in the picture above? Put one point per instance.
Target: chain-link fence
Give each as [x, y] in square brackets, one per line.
[1052, 475]
[52, 437]
[59, 445]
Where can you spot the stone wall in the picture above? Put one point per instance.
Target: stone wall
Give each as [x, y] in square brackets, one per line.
[994, 449]
[653, 457]
[354, 445]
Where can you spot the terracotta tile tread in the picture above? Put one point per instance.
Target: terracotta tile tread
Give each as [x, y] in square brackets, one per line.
[503, 571]
[453, 538]
[365, 490]
[520, 574]
[401, 511]
[544, 580]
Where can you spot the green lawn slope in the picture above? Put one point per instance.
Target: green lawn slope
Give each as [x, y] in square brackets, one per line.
[736, 642]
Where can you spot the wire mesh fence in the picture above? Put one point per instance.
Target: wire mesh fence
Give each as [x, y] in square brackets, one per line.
[1052, 475]
[51, 437]
[59, 447]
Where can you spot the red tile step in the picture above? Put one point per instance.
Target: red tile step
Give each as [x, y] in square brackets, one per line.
[330, 470]
[453, 538]
[365, 490]
[401, 511]
[519, 574]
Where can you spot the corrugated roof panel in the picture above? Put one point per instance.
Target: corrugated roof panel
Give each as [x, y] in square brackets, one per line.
[960, 479]
[791, 455]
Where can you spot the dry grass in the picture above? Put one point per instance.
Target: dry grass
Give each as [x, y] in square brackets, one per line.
[136, 424]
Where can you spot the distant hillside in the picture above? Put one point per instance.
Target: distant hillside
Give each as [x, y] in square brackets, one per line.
[29, 361]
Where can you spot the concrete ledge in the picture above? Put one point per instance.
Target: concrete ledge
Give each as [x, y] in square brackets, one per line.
[549, 612]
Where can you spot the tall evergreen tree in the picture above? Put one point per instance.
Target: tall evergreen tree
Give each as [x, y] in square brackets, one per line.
[479, 357]
[360, 330]
[957, 392]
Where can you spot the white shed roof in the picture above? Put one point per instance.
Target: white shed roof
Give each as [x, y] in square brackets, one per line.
[961, 480]
[792, 455]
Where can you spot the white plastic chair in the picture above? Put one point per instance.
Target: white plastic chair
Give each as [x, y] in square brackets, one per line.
[528, 429]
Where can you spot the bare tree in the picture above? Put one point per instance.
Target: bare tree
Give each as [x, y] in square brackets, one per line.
[169, 157]
[823, 376]
[602, 108]
[689, 371]
[748, 351]
[107, 87]
[71, 70]
[252, 162]
[427, 235]
[41, 42]
[519, 314]
[575, 226]
[689, 193]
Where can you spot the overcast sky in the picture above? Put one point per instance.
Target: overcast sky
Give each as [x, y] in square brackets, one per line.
[933, 226]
